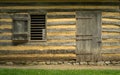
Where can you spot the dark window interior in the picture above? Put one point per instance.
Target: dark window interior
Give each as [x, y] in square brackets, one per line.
[37, 27]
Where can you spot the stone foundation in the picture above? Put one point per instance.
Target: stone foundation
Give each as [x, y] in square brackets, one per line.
[100, 63]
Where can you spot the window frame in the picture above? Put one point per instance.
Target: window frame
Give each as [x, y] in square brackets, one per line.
[45, 39]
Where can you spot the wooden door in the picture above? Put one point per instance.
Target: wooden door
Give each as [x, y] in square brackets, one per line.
[88, 35]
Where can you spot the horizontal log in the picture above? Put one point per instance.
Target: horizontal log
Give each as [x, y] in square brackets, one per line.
[111, 29]
[110, 36]
[112, 17]
[6, 43]
[36, 47]
[5, 23]
[110, 51]
[110, 58]
[61, 30]
[62, 23]
[5, 30]
[111, 22]
[54, 10]
[4, 52]
[5, 16]
[57, 3]
[19, 43]
[61, 13]
[111, 43]
[62, 44]
[60, 16]
[60, 37]
[15, 59]
[5, 37]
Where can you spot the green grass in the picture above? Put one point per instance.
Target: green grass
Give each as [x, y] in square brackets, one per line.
[57, 72]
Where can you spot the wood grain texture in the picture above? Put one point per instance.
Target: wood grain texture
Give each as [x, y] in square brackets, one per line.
[110, 26]
[111, 29]
[5, 16]
[110, 22]
[111, 43]
[61, 37]
[59, 44]
[5, 30]
[60, 16]
[61, 30]
[62, 34]
[7, 52]
[5, 37]
[62, 23]
[5, 23]
[24, 43]
[61, 1]
[54, 10]
[111, 57]
[65, 2]
[61, 13]
[47, 58]
[39, 55]
[112, 17]
[110, 51]
[110, 36]
[37, 47]
[88, 35]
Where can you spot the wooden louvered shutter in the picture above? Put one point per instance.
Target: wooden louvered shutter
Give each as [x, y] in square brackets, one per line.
[21, 27]
[38, 26]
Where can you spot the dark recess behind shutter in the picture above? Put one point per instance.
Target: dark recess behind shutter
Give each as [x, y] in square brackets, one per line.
[37, 27]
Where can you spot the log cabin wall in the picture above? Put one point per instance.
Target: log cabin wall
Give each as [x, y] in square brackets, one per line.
[61, 34]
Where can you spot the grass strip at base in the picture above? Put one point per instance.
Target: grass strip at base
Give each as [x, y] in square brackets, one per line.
[57, 72]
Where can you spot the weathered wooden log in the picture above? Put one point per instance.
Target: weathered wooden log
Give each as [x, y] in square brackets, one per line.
[5, 30]
[4, 52]
[110, 36]
[60, 16]
[62, 23]
[112, 17]
[58, 3]
[111, 29]
[5, 37]
[110, 51]
[61, 30]
[111, 23]
[25, 43]
[111, 43]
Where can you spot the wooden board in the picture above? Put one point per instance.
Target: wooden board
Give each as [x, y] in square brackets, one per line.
[88, 35]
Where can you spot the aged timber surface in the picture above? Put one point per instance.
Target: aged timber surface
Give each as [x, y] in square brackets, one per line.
[61, 30]
[26, 43]
[58, 3]
[112, 17]
[5, 30]
[111, 29]
[58, 10]
[37, 58]
[4, 52]
[109, 22]
[110, 51]
[110, 36]
[111, 43]
[5, 37]
[62, 23]
[60, 16]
